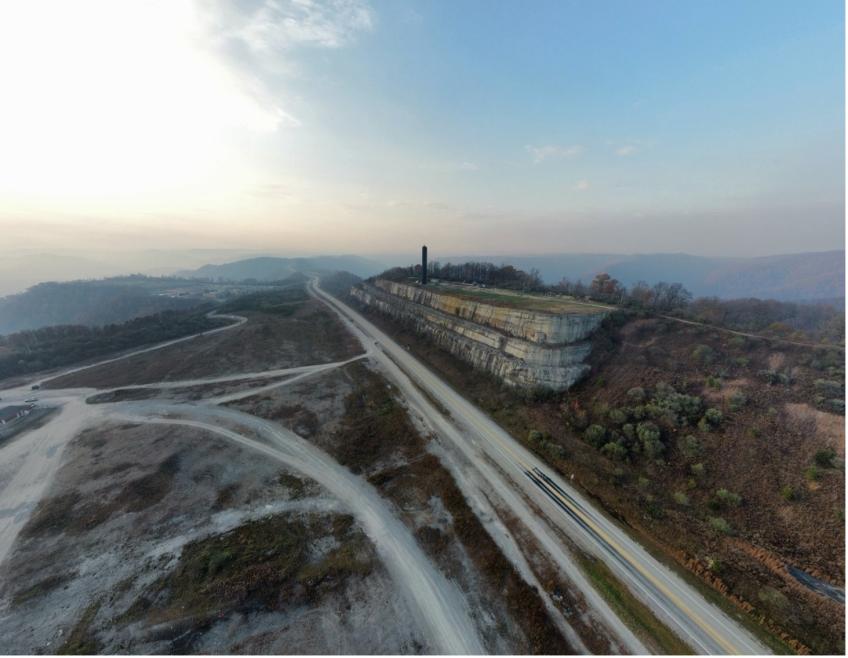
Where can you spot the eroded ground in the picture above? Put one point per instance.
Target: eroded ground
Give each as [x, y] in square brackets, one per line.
[366, 429]
[187, 517]
[157, 539]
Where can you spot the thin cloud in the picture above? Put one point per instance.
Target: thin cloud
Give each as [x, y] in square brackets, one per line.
[625, 151]
[259, 42]
[465, 165]
[278, 25]
[582, 185]
[553, 152]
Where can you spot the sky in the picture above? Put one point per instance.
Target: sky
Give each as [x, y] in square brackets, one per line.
[355, 126]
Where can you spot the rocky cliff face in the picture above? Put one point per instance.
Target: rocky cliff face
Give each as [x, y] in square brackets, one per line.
[527, 349]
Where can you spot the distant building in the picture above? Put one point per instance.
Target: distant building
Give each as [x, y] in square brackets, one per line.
[8, 414]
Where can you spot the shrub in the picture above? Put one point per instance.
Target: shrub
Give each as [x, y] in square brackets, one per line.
[737, 400]
[649, 435]
[553, 450]
[712, 419]
[680, 498]
[737, 342]
[643, 482]
[837, 405]
[788, 493]
[697, 469]
[714, 564]
[720, 525]
[615, 450]
[617, 416]
[689, 446]
[637, 395]
[742, 361]
[595, 435]
[824, 458]
[577, 420]
[713, 382]
[703, 354]
[628, 430]
[828, 388]
[648, 431]
[535, 436]
[638, 412]
[774, 377]
[677, 407]
[728, 498]
[812, 474]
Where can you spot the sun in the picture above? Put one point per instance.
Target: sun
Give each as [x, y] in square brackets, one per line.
[106, 103]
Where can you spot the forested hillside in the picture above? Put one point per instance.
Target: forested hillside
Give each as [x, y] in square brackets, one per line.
[52, 347]
[88, 303]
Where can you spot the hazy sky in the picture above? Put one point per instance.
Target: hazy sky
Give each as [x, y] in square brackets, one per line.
[302, 126]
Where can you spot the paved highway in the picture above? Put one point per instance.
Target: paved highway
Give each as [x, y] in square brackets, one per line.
[703, 626]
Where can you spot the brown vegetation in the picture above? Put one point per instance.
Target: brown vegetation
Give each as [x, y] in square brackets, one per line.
[376, 429]
[754, 447]
[309, 334]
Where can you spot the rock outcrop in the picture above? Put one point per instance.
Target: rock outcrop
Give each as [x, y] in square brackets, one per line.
[524, 348]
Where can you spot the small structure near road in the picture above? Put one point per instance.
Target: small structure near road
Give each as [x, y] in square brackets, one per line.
[424, 265]
[13, 412]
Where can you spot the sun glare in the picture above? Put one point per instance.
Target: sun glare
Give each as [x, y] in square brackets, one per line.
[115, 101]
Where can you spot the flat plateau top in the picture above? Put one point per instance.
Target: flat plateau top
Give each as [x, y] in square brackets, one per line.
[555, 305]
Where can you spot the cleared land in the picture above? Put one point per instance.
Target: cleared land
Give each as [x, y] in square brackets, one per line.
[365, 428]
[168, 527]
[175, 541]
[558, 305]
[299, 332]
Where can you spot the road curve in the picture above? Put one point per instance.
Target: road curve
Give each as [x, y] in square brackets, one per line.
[238, 320]
[702, 625]
[436, 604]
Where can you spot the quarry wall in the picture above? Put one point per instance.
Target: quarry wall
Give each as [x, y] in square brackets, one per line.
[526, 349]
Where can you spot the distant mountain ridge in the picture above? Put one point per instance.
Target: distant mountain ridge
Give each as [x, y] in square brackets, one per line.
[89, 303]
[790, 277]
[271, 268]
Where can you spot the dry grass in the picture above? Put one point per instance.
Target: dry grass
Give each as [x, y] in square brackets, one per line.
[263, 565]
[756, 451]
[518, 300]
[377, 431]
[309, 334]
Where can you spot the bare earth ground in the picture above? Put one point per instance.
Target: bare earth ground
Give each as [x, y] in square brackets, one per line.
[365, 428]
[762, 451]
[267, 341]
[167, 538]
[175, 541]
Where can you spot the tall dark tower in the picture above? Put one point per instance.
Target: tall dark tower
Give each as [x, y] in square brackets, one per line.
[424, 265]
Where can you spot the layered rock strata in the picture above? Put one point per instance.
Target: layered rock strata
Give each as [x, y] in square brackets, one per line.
[523, 348]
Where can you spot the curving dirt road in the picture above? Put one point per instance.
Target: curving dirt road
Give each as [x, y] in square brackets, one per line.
[438, 606]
